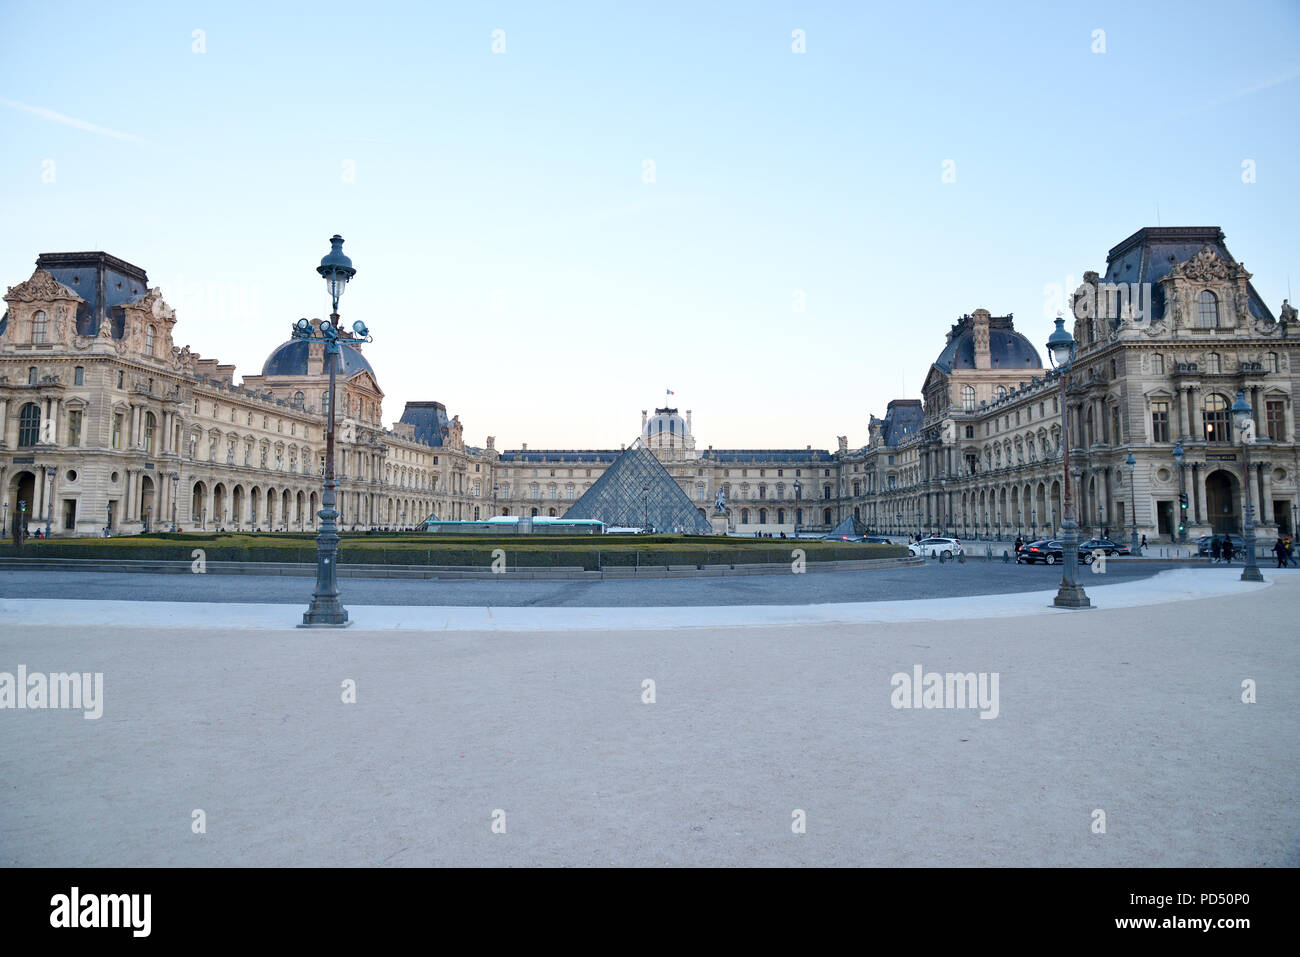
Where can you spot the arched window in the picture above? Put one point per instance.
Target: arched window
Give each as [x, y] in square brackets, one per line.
[150, 429]
[1207, 310]
[29, 425]
[148, 340]
[1218, 427]
[968, 398]
[1002, 392]
[299, 399]
[39, 324]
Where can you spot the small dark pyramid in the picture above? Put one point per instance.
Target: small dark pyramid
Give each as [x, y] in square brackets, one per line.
[636, 488]
[850, 527]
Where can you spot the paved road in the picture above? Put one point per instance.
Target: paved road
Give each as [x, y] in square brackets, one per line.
[976, 577]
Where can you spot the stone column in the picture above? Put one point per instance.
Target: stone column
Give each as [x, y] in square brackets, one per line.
[34, 509]
[1196, 493]
[1265, 492]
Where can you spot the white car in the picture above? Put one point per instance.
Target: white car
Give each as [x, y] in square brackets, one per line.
[936, 548]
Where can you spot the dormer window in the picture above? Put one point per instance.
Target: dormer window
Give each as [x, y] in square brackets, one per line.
[39, 324]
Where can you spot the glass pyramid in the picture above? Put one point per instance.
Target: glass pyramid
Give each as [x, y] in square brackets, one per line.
[850, 527]
[635, 490]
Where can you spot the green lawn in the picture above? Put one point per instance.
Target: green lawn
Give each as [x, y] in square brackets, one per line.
[590, 552]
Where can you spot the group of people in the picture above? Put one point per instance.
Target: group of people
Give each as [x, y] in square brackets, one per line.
[1222, 549]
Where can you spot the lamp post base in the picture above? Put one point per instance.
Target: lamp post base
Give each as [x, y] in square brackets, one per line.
[324, 624]
[1071, 596]
[1251, 574]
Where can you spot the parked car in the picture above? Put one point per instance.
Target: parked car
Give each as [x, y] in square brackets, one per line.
[1049, 551]
[936, 548]
[1203, 544]
[1106, 545]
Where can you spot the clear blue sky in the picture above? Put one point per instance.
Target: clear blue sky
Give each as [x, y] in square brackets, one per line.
[513, 264]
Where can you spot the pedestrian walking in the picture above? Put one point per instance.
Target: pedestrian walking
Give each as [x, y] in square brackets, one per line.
[1228, 549]
[1215, 550]
[1020, 543]
[1144, 541]
[1279, 549]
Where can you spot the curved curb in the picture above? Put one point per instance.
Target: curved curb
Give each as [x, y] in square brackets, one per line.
[1168, 586]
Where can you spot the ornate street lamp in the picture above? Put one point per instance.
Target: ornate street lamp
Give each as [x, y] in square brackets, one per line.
[1133, 539]
[1244, 417]
[326, 609]
[1060, 346]
[49, 496]
[1182, 495]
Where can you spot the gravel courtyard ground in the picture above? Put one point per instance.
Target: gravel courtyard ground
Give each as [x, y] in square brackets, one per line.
[1136, 711]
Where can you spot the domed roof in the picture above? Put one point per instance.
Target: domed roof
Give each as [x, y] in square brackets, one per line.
[666, 420]
[1008, 349]
[291, 359]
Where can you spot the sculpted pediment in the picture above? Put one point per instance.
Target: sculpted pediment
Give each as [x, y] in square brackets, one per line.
[1206, 266]
[41, 287]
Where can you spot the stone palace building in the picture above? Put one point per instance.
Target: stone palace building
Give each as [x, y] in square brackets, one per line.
[105, 422]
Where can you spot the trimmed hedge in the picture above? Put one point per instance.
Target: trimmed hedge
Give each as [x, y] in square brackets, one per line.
[521, 551]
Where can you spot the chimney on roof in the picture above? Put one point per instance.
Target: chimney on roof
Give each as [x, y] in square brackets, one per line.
[979, 322]
[523, 447]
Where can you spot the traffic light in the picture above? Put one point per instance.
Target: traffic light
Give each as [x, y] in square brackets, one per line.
[1182, 500]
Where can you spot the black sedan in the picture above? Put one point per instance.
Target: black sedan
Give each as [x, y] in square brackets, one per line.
[1049, 552]
[1106, 545]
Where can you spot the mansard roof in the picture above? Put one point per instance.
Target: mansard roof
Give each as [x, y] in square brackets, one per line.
[1151, 252]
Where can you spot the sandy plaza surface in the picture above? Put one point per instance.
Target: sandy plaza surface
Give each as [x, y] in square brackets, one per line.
[671, 736]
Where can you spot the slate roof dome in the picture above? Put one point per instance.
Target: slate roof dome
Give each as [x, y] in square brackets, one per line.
[668, 422]
[291, 359]
[1008, 349]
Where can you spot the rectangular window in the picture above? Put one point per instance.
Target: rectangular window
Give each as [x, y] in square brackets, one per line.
[74, 427]
[1275, 421]
[1158, 364]
[79, 375]
[117, 431]
[1159, 421]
